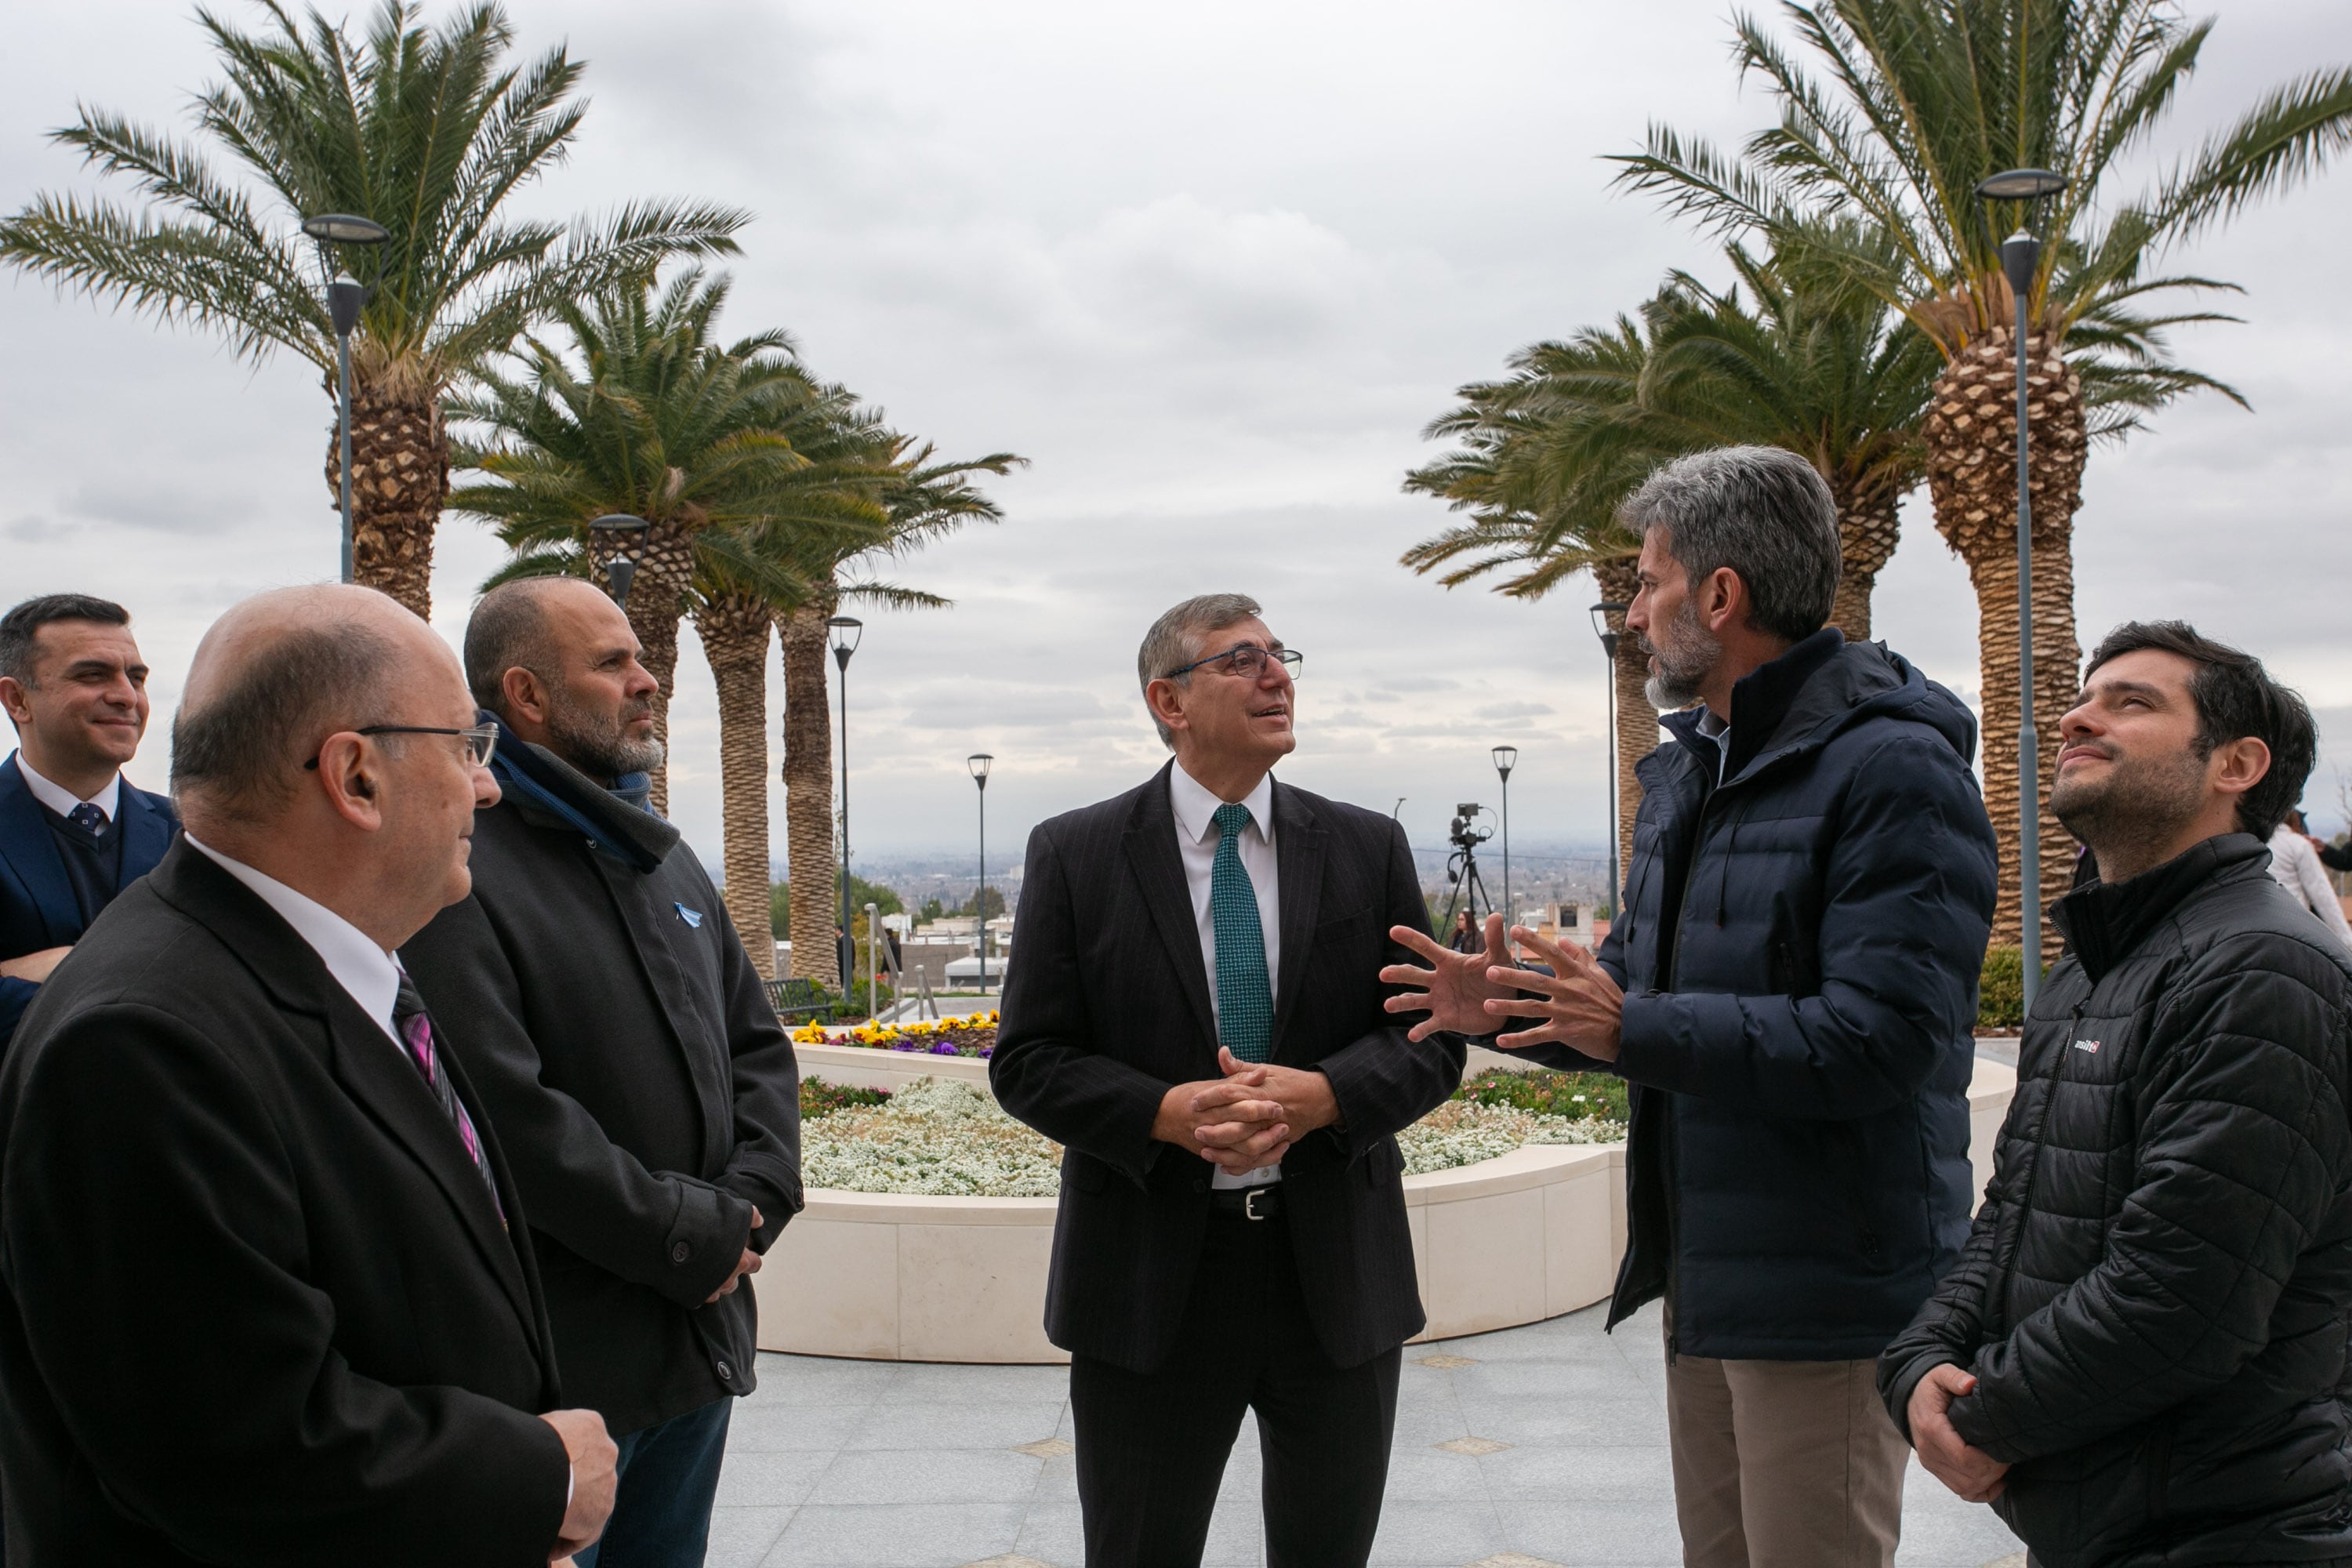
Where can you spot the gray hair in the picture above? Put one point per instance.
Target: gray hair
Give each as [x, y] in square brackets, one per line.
[237, 753]
[1170, 643]
[507, 631]
[1763, 512]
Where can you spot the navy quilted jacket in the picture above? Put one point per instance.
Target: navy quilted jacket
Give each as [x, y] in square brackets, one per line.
[1799, 948]
[2154, 1298]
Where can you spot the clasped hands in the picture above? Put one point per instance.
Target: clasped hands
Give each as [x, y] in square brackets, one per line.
[1247, 1119]
[1972, 1474]
[1578, 1005]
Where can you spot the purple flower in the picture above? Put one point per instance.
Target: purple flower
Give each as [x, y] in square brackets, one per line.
[943, 1049]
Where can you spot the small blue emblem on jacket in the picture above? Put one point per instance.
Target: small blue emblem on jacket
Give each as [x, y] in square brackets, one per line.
[691, 917]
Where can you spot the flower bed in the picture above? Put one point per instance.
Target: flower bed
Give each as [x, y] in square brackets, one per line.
[949, 1140]
[971, 1035]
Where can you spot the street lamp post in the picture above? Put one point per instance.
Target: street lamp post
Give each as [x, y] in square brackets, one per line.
[980, 763]
[345, 295]
[619, 571]
[2021, 255]
[845, 630]
[1609, 635]
[1505, 759]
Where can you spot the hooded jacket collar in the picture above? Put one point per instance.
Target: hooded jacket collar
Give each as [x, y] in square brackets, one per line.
[2103, 922]
[616, 823]
[1818, 687]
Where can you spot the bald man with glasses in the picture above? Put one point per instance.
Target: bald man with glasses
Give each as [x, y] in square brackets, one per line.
[1193, 1011]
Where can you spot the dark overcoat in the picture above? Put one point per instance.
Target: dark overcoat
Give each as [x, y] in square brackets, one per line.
[259, 1306]
[595, 989]
[1107, 1005]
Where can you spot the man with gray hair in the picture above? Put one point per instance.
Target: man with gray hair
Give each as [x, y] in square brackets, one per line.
[1191, 1014]
[1791, 991]
[266, 1293]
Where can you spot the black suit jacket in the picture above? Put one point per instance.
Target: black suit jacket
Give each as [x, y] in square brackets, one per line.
[256, 1304]
[1107, 1005]
[36, 902]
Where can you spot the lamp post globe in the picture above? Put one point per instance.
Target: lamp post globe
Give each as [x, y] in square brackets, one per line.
[2021, 259]
[1505, 759]
[345, 297]
[980, 763]
[620, 571]
[1608, 633]
[843, 632]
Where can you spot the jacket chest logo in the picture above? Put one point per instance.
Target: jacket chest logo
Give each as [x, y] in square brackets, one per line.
[2090, 1046]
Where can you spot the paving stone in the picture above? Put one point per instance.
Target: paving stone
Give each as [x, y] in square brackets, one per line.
[1511, 1560]
[1011, 1561]
[897, 1535]
[1474, 1447]
[1445, 1362]
[1050, 1448]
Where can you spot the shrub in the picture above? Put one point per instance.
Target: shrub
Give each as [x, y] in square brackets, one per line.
[2000, 989]
[1545, 1092]
[819, 1098]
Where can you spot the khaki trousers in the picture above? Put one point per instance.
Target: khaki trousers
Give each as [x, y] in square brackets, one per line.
[1783, 1464]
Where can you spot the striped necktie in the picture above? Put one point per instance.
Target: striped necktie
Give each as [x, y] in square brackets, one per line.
[1244, 997]
[414, 1026]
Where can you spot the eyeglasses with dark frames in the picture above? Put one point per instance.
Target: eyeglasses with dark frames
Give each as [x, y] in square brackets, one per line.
[481, 740]
[1248, 661]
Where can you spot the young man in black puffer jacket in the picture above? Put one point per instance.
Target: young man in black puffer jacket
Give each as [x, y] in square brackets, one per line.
[2139, 1360]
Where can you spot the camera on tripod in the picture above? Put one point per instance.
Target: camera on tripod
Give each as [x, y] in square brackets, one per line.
[1466, 830]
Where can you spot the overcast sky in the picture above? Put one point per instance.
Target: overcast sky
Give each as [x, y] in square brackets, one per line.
[1211, 268]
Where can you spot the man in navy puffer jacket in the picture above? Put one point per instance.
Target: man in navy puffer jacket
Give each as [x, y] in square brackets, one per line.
[1790, 990]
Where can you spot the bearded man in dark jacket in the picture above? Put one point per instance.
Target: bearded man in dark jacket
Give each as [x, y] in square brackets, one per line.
[1791, 991]
[2139, 1360]
[601, 1000]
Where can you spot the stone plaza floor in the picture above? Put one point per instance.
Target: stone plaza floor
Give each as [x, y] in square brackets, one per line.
[1532, 1446]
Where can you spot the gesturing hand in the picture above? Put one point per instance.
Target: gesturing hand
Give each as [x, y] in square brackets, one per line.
[747, 1264]
[1455, 990]
[1975, 1475]
[1580, 1005]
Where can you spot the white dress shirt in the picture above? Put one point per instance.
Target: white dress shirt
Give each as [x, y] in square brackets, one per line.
[61, 800]
[1197, 837]
[362, 969]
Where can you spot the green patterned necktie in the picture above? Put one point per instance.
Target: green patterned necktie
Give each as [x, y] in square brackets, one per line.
[1244, 998]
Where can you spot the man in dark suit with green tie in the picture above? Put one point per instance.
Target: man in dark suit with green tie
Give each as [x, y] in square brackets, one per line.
[1192, 1010]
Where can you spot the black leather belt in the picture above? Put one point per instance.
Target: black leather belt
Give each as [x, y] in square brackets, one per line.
[1247, 1203]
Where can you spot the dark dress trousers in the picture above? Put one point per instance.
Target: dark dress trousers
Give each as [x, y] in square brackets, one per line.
[39, 904]
[257, 1305]
[596, 991]
[1177, 1316]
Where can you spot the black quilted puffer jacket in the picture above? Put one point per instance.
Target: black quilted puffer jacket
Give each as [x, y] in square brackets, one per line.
[2153, 1297]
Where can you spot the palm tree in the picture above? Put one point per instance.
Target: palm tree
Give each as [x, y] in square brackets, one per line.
[428, 133]
[1921, 99]
[642, 412]
[924, 500]
[1813, 365]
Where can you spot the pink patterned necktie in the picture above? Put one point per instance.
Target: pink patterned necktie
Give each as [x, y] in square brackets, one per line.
[414, 1026]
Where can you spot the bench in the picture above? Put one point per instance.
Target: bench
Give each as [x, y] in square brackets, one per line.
[798, 998]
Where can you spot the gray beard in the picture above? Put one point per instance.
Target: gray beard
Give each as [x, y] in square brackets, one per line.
[1683, 661]
[595, 745]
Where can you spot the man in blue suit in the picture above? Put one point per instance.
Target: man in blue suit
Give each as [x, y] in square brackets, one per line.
[73, 831]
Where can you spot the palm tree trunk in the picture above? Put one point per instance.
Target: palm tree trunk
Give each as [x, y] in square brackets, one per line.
[1971, 433]
[1868, 529]
[1637, 721]
[808, 796]
[734, 629]
[663, 554]
[400, 474]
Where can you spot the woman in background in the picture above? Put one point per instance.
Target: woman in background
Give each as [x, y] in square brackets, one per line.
[2296, 865]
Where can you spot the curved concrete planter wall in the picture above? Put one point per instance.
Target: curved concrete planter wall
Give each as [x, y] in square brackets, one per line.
[882, 1277]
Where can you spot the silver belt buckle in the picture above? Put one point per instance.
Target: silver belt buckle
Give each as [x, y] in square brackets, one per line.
[1249, 1203]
